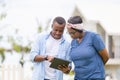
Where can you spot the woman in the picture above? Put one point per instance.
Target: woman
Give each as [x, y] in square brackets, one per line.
[88, 51]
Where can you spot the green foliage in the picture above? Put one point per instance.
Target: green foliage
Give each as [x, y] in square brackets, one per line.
[17, 47]
[26, 49]
[47, 26]
[2, 53]
[2, 16]
[71, 72]
[39, 29]
[2, 50]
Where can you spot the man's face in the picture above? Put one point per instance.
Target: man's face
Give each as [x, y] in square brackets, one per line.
[57, 30]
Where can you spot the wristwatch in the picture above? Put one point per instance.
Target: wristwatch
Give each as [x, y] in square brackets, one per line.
[46, 57]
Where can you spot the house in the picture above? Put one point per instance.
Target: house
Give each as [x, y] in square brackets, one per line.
[104, 19]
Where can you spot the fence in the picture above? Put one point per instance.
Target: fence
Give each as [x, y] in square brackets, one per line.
[11, 72]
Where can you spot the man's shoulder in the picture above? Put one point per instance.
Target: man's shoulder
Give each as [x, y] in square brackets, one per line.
[42, 34]
[67, 38]
[66, 42]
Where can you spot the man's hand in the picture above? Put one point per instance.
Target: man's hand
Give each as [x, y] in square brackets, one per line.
[50, 58]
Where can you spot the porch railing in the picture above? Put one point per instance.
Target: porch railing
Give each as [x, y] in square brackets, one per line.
[11, 72]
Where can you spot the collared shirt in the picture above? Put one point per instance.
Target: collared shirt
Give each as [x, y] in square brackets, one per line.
[51, 51]
[38, 48]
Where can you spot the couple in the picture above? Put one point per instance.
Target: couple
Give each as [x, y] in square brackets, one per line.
[86, 50]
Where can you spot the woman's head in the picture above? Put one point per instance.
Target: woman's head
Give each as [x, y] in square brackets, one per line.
[75, 20]
[75, 25]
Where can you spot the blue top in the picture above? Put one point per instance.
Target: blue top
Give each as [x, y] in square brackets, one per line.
[38, 48]
[85, 56]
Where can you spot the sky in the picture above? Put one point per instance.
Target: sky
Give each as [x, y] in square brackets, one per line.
[105, 12]
[26, 15]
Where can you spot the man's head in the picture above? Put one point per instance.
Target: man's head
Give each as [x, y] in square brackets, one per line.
[58, 26]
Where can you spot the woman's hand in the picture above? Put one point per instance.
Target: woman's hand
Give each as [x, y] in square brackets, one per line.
[65, 69]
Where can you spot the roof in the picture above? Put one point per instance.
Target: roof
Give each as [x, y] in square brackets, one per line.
[106, 14]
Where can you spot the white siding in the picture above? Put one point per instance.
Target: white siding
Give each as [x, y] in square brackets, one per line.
[117, 46]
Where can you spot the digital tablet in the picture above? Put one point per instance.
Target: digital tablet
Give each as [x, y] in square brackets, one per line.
[58, 61]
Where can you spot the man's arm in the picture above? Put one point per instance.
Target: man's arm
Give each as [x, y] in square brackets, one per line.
[39, 58]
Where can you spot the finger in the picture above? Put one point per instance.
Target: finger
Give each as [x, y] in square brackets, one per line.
[64, 66]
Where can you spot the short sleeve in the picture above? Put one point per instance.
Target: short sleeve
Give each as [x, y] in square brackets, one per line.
[98, 42]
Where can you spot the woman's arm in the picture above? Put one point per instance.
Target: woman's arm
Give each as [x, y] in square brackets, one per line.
[104, 55]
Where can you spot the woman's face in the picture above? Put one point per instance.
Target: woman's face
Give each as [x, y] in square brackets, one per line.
[73, 33]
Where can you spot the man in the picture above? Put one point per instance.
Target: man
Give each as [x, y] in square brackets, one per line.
[46, 47]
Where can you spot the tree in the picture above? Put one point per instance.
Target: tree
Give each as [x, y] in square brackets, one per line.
[3, 14]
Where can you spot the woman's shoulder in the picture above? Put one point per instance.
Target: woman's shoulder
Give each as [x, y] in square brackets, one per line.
[92, 34]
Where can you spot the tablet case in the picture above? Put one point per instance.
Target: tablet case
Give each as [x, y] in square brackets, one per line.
[58, 61]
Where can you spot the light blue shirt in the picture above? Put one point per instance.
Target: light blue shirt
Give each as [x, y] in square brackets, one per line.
[85, 56]
[38, 48]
